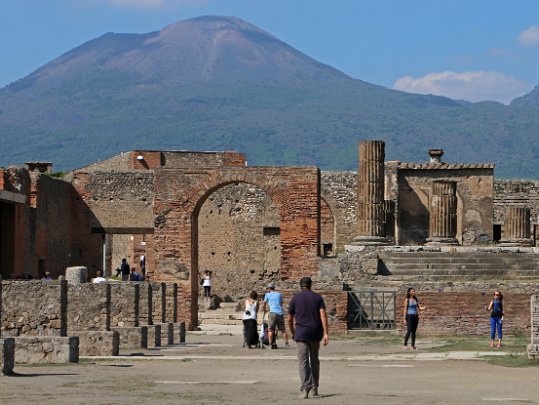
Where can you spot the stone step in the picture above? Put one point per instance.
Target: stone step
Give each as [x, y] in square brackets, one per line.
[473, 260]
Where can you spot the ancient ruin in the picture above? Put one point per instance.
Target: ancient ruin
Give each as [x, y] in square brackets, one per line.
[450, 230]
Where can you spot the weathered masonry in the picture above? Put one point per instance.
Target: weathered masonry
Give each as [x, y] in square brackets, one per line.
[187, 212]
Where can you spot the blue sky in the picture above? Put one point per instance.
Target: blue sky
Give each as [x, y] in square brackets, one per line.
[466, 49]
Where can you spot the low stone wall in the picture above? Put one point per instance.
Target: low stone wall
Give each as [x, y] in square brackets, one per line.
[171, 303]
[7, 356]
[154, 336]
[463, 313]
[45, 349]
[33, 308]
[145, 304]
[124, 304]
[89, 307]
[159, 299]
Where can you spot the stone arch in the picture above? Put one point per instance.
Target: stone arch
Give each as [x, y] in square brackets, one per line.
[238, 237]
[179, 194]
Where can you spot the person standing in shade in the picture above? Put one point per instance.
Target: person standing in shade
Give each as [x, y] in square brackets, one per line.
[125, 270]
[412, 311]
[496, 318]
[143, 266]
[308, 322]
[206, 283]
[274, 300]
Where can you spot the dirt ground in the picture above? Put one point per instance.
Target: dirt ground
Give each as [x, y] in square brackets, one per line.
[217, 370]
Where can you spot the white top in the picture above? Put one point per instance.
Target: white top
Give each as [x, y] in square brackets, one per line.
[207, 281]
[252, 308]
[99, 280]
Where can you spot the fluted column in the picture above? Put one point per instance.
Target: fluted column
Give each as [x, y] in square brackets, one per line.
[516, 227]
[370, 194]
[443, 213]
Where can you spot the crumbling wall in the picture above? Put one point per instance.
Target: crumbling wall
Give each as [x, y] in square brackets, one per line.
[474, 209]
[124, 307]
[33, 308]
[239, 229]
[89, 307]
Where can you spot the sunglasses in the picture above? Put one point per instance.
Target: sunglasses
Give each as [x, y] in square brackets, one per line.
[496, 295]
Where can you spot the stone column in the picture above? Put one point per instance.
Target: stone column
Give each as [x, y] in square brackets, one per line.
[516, 227]
[443, 213]
[370, 194]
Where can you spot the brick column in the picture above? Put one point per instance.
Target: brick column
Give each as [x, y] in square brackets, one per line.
[370, 194]
[533, 347]
[443, 213]
[516, 227]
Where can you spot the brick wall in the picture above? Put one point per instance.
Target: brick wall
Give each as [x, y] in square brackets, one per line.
[33, 308]
[159, 300]
[171, 302]
[463, 313]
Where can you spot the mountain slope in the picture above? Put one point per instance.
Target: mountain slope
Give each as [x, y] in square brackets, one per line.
[217, 83]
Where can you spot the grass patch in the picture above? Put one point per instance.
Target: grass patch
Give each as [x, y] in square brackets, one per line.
[513, 360]
[477, 343]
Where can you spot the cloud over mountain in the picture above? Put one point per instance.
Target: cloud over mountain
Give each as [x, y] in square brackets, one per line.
[529, 36]
[470, 86]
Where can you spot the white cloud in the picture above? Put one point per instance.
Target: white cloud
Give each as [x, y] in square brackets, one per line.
[156, 3]
[529, 36]
[470, 86]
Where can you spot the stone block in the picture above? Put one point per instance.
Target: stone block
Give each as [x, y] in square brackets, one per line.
[76, 274]
[154, 336]
[98, 343]
[7, 356]
[133, 337]
[167, 333]
[46, 349]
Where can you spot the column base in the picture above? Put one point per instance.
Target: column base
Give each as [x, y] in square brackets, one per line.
[370, 241]
[516, 242]
[437, 241]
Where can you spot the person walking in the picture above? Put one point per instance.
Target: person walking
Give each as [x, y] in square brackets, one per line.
[496, 318]
[412, 311]
[308, 323]
[274, 301]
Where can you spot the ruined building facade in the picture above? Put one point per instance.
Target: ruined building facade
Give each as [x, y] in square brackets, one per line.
[187, 212]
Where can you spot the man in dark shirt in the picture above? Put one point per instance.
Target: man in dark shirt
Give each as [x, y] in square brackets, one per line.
[125, 270]
[308, 322]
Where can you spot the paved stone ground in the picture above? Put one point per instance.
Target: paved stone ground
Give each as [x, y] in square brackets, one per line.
[216, 370]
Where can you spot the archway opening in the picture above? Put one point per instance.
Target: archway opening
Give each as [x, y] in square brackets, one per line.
[238, 240]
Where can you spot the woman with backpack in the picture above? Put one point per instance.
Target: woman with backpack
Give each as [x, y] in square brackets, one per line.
[412, 311]
[496, 318]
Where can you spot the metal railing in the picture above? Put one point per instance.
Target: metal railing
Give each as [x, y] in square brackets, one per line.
[371, 309]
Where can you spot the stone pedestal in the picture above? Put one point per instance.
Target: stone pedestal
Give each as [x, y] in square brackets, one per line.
[516, 227]
[167, 333]
[76, 274]
[154, 336]
[47, 349]
[98, 343]
[133, 337]
[443, 213]
[370, 191]
[7, 356]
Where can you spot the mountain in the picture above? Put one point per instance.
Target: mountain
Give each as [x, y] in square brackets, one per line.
[219, 83]
[530, 100]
